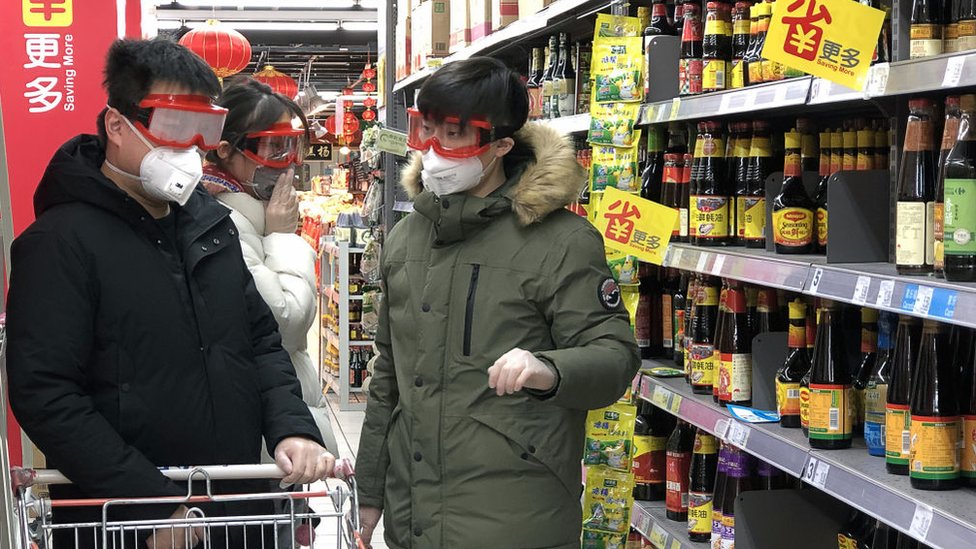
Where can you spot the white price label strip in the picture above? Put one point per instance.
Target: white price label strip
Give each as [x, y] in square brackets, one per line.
[953, 73]
[722, 429]
[717, 266]
[861, 290]
[885, 291]
[921, 522]
[661, 397]
[815, 283]
[702, 261]
[877, 80]
[923, 300]
[738, 434]
[815, 473]
[675, 108]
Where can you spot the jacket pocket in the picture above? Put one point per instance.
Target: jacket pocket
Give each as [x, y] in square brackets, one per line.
[469, 308]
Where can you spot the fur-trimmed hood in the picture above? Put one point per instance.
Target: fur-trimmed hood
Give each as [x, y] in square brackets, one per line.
[551, 178]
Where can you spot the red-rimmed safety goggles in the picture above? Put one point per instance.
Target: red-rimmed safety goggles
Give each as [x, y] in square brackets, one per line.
[181, 121]
[448, 136]
[276, 147]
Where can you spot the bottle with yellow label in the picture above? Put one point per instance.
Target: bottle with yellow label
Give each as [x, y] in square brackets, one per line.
[934, 449]
[927, 30]
[865, 150]
[793, 224]
[820, 199]
[850, 150]
[754, 199]
[897, 416]
[967, 407]
[796, 366]
[710, 209]
[704, 461]
[716, 48]
[831, 399]
[703, 365]
[740, 43]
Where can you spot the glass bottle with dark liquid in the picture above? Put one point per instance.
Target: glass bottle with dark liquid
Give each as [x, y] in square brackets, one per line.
[702, 481]
[897, 412]
[735, 345]
[876, 390]
[716, 48]
[831, 406]
[738, 472]
[950, 134]
[758, 169]
[690, 64]
[967, 408]
[651, 432]
[710, 209]
[739, 170]
[869, 358]
[740, 43]
[679, 448]
[915, 215]
[702, 335]
[797, 365]
[720, 327]
[959, 224]
[717, 494]
[680, 329]
[793, 209]
[820, 200]
[934, 432]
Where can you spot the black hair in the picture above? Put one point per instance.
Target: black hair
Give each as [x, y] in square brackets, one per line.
[479, 86]
[132, 67]
[252, 107]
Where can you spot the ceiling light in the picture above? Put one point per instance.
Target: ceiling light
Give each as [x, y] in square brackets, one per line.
[367, 26]
[253, 25]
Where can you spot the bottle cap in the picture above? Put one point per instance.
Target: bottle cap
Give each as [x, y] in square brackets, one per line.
[952, 101]
[920, 103]
[968, 102]
[793, 139]
[672, 157]
[712, 6]
[798, 309]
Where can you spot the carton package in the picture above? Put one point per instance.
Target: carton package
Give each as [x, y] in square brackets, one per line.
[460, 25]
[527, 8]
[431, 22]
[503, 12]
[403, 60]
[480, 18]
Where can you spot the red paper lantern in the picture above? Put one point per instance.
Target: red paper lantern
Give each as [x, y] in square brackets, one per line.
[279, 81]
[347, 91]
[369, 87]
[351, 127]
[369, 73]
[330, 124]
[369, 115]
[347, 104]
[369, 102]
[223, 48]
[349, 118]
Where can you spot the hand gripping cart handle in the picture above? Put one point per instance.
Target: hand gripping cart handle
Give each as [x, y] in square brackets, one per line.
[290, 525]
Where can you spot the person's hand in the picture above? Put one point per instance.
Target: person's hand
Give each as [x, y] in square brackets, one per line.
[517, 370]
[369, 517]
[303, 460]
[281, 215]
[176, 537]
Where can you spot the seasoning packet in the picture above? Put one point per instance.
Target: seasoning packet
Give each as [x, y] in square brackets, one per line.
[614, 124]
[623, 267]
[609, 436]
[608, 499]
[593, 539]
[614, 167]
[616, 26]
[618, 70]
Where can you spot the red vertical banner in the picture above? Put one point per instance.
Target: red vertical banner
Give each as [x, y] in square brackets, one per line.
[50, 91]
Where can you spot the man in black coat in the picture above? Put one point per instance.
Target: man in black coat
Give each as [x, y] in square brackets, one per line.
[137, 338]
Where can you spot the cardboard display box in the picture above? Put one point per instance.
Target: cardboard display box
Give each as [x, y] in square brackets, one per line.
[431, 23]
[527, 8]
[403, 60]
[480, 18]
[503, 12]
[460, 25]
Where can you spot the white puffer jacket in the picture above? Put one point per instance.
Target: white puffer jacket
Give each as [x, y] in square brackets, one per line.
[283, 267]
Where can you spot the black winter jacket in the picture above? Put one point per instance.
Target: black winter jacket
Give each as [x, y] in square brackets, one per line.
[129, 351]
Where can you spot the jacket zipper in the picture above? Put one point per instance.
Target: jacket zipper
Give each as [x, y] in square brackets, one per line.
[469, 309]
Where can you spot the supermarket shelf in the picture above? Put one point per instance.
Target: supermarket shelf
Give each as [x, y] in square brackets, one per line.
[775, 95]
[333, 339]
[569, 124]
[332, 294]
[850, 475]
[527, 27]
[332, 249]
[756, 266]
[334, 382]
[651, 520]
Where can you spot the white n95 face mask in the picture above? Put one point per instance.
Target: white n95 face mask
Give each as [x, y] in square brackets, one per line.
[166, 173]
[444, 176]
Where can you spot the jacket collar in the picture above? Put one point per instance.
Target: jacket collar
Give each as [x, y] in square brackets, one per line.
[544, 176]
[458, 217]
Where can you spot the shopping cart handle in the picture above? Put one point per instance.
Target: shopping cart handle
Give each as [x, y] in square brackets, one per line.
[29, 477]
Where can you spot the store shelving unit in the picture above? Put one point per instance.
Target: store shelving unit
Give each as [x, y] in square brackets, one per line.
[651, 520]
[942, 519]
[335, 261]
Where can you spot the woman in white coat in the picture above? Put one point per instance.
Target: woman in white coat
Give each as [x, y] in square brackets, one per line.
[252, 173]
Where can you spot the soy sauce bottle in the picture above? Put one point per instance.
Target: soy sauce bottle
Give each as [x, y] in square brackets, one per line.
[915, 216]
[679, 448]
[702, 481]
[831, 399]
[702, 335]
[869, 358]
[960, 210]
[797, 365]
[679, 304]
[651, 432]
[793, 218]
[738, 480]
[735, 347]
[967, 407]
[897, 412]
[934, 433]
[710, 210]
[876, 390]
[758, 169]
[718, 493]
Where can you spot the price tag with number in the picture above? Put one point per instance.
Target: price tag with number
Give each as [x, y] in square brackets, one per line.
[676, 257]
[738, 434]
[921, 521]
[815, 473]
[675, 544]
[658, 536]
[815, 283]
[908, 300]
[661, 397]
[717, 266]
[722, 429]
[877, 80]
[944, 303]
[923, 300]
[953, 73]
[861, 290]
[885, 291]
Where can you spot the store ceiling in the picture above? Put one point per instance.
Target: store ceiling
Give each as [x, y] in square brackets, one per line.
[341, 34]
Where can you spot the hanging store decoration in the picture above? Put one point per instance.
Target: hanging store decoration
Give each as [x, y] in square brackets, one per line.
[223, 48]
[369, 87]
[278, 81]
[369, 102]
[369, 115]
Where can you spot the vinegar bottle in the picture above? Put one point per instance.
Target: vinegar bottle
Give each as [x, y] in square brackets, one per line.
[915, 215]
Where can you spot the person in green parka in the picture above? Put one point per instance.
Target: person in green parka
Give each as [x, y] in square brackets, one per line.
[501, 326]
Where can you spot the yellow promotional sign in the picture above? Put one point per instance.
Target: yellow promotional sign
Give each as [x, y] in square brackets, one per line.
[635, 226]
[832, 39]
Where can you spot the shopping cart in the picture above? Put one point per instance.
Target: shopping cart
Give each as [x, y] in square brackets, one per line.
[195, 529]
